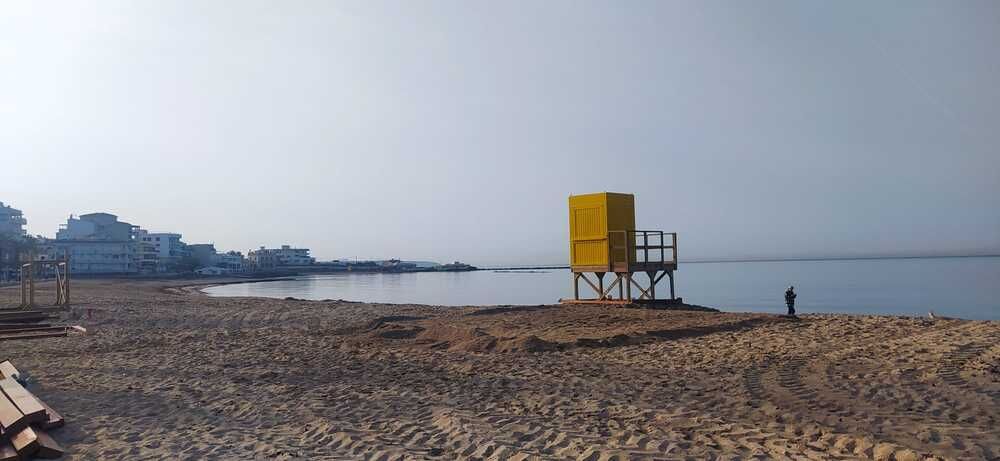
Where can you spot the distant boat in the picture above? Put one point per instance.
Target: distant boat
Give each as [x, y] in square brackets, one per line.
[455, 267]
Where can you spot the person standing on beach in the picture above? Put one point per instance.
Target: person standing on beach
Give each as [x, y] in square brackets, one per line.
[790, 301]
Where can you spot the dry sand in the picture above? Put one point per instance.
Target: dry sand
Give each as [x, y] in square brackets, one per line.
[172, 374]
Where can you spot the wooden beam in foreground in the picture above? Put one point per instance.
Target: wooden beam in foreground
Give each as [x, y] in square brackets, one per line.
[54, 419]
[25, 442]
[8, 453]
[47, 447]
[25, 402]
[11, 419]
[7, 369]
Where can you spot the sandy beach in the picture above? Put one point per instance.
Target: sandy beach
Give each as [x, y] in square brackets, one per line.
[168, 373]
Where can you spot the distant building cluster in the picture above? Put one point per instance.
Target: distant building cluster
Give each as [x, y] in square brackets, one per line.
[98, 243]
[270, 258]
[12, 236]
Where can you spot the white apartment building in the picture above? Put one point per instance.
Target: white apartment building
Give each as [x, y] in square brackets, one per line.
[266, 258]
[12, 221]
[11, 233]
[231, 261]
[91, 256]
[96, 226]
[160, 251]
[96, 243]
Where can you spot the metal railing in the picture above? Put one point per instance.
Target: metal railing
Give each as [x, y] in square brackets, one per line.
[637, 246]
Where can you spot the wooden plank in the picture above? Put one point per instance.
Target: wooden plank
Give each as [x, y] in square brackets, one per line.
[7, 369]
[20, 313]
[8, 453]
[48, 448]
[11, 419]
[25, 402]
[33, 329]
[54, 419]
[14, 326]
[30, 335]
[28, 318]
[47, 310]
[25, 442]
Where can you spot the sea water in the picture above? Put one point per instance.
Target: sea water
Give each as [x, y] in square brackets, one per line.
[956, 287]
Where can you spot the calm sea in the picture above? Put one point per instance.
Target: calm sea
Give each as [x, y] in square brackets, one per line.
[957, 287]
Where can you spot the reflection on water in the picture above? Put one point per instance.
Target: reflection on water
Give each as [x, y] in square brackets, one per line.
[960, 287]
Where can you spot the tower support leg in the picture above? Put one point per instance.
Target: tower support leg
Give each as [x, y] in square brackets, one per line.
[671, 275]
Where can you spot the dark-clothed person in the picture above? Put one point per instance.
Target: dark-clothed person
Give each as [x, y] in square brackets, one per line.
[790, 300]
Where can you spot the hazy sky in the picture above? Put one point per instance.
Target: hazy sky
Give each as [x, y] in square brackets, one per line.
[456, 130]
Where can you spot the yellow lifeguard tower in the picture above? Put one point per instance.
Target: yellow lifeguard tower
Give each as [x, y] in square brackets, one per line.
[603, 239]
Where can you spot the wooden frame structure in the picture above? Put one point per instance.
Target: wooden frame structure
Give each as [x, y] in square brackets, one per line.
[630, 252]
[60, 269]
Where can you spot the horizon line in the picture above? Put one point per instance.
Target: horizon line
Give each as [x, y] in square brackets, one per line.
[768, 259]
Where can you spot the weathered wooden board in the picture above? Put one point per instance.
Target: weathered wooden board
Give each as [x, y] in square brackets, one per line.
[15, 326]
[47, 446]
[31, 335]
[7, 369]
[24, 400]
[13, 313]
[32, 328]
[8, 453]
[11, 419]
[30, 318]
[25, 442]
[54, 418]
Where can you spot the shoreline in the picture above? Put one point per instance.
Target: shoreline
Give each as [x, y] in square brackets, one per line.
[198, 290]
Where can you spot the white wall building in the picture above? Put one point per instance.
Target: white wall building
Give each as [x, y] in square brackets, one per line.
[96, 226]
[267, 258]
[12, 221]
[231, 261]
[160, 250]
[96, 243]
[91, 256]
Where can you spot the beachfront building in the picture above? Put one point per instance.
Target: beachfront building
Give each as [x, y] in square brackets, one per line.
[161, 250]
[96, 226]
[96, 243]
[270, 258]
[204, 253]
[146, 255]
[91, 256]
[12, 241]
[12, 222]
[232, 262]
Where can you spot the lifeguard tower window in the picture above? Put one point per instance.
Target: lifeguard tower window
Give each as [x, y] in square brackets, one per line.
[603, 239]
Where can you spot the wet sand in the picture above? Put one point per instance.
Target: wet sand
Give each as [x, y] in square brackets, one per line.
[169, 373]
